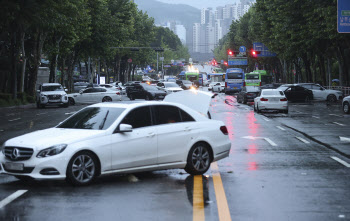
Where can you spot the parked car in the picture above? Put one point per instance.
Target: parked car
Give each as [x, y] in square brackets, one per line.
[295, 93]
[145, 91]
[212, 84]
[79, 86]
[346, 105]
[271, 86]
[169, 87]
[218, 86]
[271, 99]
[321, 93]
[114, 87]
[94, 95]
[109, 138]
[185, 84]
[51, 94]
[247, 94]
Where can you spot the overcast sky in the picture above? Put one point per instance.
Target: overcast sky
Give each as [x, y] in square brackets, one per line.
[201, 3]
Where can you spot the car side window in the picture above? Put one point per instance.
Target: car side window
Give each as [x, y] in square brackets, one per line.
[299, 88]
[139, 117]
[167, 114]
[87, 91]
[185, 117]
[308, 86]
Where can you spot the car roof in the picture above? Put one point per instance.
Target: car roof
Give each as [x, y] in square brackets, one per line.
[270, 90]
[51, 84]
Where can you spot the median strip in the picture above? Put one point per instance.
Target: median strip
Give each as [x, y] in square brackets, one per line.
[221, 201]
[12, 197]
[198, 199]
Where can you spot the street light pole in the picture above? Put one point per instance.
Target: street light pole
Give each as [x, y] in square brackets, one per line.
[157, 62]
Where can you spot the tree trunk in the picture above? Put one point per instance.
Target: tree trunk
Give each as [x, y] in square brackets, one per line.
[14, 55]
[24, 62]
[322, 70]
[54, 59]
[307, 68]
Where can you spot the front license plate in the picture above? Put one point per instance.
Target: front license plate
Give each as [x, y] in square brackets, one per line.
[55, 101]
[235, 88]
[14, 166]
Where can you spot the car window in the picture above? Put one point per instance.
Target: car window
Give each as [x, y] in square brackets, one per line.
[93, 118]
[298, 88]
[167, 114]
[308, 86]
[138, 87]
[87, 91]
[185, 117]
[316, 87]
[139, 117]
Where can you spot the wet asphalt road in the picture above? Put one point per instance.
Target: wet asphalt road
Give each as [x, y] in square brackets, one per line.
[280, 168]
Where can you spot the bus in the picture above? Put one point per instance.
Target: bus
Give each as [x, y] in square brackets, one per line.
[191, 76]
[264, 77]
[253, 79]
[234, 80]
[181, 76]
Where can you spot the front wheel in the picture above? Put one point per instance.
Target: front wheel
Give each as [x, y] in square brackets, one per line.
[107, 99]
[346, 108]
[71, 101]
[332, 98]
[82, 169]
[198, 160]
[131, 97]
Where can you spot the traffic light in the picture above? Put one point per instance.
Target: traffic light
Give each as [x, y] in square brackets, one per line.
[229, 52]
[255, 53]
[225, 63]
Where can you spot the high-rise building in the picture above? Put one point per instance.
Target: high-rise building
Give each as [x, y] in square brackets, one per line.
[219, 12]
[181, 33]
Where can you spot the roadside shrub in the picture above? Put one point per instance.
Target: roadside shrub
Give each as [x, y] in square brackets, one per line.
[6, 97]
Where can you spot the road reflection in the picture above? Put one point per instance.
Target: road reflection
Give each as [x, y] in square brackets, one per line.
[192, 189]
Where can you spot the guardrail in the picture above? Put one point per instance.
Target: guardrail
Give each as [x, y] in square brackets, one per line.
[345, 90]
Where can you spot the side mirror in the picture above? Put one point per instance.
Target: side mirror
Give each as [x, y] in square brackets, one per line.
[124, 128]
[38, 91]
[65, 90]
[80, 92]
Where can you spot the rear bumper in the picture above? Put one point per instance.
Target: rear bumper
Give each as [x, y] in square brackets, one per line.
[268, 106]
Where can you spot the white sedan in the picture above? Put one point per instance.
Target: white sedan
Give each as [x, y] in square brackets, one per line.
[109, 138]
[94, 95]
[169, 87]
[271, 99]
[217, 86]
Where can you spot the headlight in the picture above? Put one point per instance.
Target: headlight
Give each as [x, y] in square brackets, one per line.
[51, 151]
[2, 148]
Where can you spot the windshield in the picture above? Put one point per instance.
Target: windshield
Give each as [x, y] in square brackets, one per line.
[170, 85]
[92, 118]
[186, 82]
[253, 89]
[283, 88]
[52, 88]
[252, 77]
[234, 76]
[273, 93]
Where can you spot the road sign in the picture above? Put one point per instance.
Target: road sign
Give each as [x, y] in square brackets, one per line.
[161, 58]
[129, 60]
[343, 16]
[172, 61]
[242, 49]
[238, 61]
[264, 51]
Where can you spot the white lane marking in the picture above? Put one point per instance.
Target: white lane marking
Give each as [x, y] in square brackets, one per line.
[41, 114]
[284, 115]
[70, 113]
[299, 112]
[302, 140]
[14, 119]
[341, 161]
[344, 139]
[338, 124]
[7, 115]
[1, 130]
[335, 115]
[341, 216]
[281, 128]
[270, 142]
[266, 119]
[316, 117]
[12, 197]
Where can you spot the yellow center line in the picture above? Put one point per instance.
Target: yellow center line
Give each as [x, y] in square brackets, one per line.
[198, 199]
[221, 201]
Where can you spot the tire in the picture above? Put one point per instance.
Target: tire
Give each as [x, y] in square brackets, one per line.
[66, 105]
[346, 108]
[254, 108]
[286, 111]
[107, 99]
[238, 100]
[332, 98]
[82, 169]
[199, 159]
[307, 99]
[245, 101]
[257, 109]
[131, 97]
[71, 101]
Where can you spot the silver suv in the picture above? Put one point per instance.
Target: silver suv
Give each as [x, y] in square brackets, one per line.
[51, 94]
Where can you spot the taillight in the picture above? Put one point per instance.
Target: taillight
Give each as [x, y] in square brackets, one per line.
[260, 84]
[118, 93]
[264, 99]
[243, 83]
[226, 84]
[284, 99]
[224, 130]
[248, 94]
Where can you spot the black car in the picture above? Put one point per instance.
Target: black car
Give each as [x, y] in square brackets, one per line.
[271, 86]
[247, 94]
[144, 91]
[296, 93]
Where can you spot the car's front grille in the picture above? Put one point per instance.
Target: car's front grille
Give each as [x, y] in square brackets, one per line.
[25, 170]
[54, 97]
[18, 153]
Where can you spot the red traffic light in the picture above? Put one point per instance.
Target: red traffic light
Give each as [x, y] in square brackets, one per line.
[225, 63]
[253, 52]
[230, 52]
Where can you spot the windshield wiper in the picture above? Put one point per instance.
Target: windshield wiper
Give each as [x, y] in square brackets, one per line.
[104, 121]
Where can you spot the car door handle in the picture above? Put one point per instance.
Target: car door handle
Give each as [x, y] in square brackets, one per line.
[187, 129]
[151, 135]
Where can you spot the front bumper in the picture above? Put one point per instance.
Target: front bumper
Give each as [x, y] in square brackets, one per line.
[34, 166]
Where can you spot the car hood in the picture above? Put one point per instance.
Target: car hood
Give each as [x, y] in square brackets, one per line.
[53, 92]
[174, 89]
[42, 139]
[197, 100]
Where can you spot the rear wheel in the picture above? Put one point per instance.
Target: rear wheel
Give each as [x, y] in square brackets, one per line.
[107, 99]
[332, 98]
[346, 107]
[131, 97]
[257, 109]
[71, 101]
[254, 108]
[199, 159]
